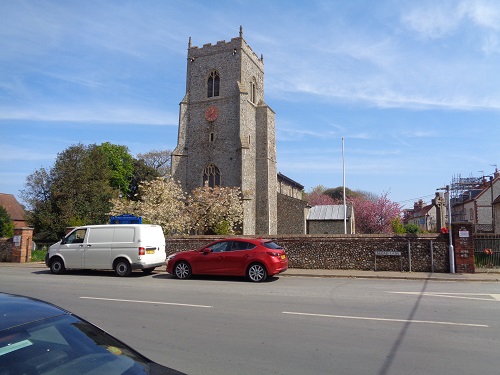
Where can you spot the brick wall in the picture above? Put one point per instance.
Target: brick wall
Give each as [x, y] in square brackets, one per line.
[356, 252]
[18, 248]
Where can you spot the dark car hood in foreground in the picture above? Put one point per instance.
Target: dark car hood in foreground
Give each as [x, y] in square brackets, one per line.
[16, 310]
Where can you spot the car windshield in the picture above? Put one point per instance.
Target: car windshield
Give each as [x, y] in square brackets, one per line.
[66, 345]
[272, 245]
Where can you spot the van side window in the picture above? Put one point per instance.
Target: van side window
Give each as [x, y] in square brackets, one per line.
[76, 237]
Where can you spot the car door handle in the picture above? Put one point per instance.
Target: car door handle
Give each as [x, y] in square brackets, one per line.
[89, 245]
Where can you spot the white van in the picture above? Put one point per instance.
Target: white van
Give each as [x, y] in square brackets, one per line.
[121, 247]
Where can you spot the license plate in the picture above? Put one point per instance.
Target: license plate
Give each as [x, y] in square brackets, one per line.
[150, 251]
[283, 256]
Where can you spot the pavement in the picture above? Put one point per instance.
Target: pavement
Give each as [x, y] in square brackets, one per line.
[492, 276]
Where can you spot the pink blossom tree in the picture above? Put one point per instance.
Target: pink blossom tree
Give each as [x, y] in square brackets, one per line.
[375, 215]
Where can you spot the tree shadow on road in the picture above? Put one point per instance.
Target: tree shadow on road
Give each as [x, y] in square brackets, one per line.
[384, 370]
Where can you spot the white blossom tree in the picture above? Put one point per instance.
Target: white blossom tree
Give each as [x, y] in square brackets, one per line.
[216, 210]
[161, 202]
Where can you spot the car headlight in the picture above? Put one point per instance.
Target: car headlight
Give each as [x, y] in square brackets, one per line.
[170, 257]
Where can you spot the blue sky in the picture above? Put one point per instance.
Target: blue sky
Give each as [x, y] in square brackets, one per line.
[412, 86]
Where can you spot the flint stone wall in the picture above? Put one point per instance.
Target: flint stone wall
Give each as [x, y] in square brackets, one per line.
[350, 252]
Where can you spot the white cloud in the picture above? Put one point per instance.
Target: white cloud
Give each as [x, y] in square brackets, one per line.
[91, 114]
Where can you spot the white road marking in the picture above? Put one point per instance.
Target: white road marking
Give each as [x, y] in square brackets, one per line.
[387, 320]
[150, 302]
[493, 297]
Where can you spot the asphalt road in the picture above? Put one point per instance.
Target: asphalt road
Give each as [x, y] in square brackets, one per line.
[289, 325]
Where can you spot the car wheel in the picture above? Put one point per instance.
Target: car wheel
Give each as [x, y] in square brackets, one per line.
[148, 271]
[257, 272]
[182, 270]
[57, 266]
[122, 268]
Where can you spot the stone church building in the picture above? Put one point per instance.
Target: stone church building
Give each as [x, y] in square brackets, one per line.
[227, 137]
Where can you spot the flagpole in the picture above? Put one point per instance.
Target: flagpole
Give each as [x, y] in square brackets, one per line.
[343, 184]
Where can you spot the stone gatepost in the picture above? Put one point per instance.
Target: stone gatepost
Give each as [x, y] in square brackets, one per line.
[464, 247]
[22, 243]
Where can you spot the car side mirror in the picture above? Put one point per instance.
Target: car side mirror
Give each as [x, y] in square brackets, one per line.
[63, 241]
[206, 251]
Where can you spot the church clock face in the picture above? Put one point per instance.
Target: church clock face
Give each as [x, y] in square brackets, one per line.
[211, 113]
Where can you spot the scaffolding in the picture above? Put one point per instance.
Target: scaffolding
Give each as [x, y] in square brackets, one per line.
[463, 189]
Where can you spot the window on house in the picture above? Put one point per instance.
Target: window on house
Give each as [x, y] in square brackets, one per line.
[471, 215]
[213, 84]
[211, 176]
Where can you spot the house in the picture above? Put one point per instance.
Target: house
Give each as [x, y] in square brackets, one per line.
[424, 216]
[429, 218]
[14, 209]
[329, 219]
[496, 215]
[475, 204]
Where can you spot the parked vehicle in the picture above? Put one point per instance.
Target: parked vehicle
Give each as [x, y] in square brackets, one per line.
[37, 337]
[121, 247]
[256, 259]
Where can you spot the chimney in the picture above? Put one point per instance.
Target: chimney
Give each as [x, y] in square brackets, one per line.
[418, 205]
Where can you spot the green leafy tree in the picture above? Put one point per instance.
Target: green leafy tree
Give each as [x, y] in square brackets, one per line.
[338, 193]
[121, 164]
[41, 213]
[397, 226]
[412, 228]
[75, 191]
[142, 173]
[6, 224]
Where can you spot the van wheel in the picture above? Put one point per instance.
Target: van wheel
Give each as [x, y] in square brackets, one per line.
[122, 268]
[182, 270]
[57, 266]
[148, 271]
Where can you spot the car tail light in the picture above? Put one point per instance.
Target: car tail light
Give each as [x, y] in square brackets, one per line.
[273, 254]
[142, 251]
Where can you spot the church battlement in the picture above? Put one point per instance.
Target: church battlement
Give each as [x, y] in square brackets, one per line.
[233, 45]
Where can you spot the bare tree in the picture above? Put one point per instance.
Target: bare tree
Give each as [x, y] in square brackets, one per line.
[159, 160]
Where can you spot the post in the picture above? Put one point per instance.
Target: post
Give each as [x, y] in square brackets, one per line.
[451, 252]
[450, 235]
[432, 258]
[409, 256]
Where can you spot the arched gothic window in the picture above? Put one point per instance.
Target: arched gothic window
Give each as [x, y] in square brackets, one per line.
[213, 84]
[211, 176]
[253, 91]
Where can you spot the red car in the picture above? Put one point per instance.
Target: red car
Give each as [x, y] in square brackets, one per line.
[254, 258]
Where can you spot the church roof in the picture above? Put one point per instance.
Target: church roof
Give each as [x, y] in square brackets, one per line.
[282, 177]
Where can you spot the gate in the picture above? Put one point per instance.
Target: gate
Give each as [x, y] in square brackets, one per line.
[486, 252]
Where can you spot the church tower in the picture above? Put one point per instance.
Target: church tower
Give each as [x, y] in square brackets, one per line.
[226, 130]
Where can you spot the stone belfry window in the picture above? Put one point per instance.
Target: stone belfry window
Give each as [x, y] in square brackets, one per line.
[213, 84]
[253, 91]
[211, 176]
